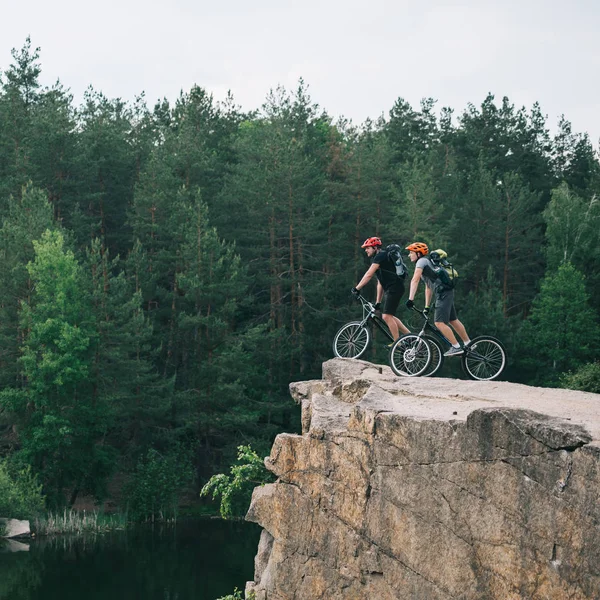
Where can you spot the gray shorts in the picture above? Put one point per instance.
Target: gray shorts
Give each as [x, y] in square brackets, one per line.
[444, 307]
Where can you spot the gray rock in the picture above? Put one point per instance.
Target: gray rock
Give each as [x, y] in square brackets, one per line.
[426, 489]
[11, 528]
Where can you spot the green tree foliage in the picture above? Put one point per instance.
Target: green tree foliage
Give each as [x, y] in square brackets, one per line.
[574, 160]
[106, 170]
[28, 216]
[19, 94]
[158, 480]
[61, 424]
[562, 331]
[573, 235]
[123, 374]
[199, 259]
[483, 311]
[572, 227]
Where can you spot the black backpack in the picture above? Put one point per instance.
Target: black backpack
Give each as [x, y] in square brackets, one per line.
[446, 273]
[395, 253]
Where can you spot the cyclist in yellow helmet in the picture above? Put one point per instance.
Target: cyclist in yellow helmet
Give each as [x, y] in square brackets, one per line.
[445, 313]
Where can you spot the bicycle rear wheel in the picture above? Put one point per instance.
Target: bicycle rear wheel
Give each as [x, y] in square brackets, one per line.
[410, 355]
[484, 359]
[351, 340]
[437, 357]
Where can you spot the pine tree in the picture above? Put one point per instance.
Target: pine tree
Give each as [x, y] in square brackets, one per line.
[28, 215]
[562, 331]
[60, 423]
[18, 95]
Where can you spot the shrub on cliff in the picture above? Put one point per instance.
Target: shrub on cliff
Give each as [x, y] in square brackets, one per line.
[586, 378]
[235, 490]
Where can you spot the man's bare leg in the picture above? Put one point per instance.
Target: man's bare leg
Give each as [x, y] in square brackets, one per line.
[447, 331]
[401, 326]
[390, 321]
[460, 329]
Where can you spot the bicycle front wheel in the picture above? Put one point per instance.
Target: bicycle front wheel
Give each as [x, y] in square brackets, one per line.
[484, 359]
[351, 341]
[437, 357]
[410, 355]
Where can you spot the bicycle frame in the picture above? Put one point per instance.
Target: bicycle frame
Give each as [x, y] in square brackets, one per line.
[427, 326]
[370, 314]
[430, 327]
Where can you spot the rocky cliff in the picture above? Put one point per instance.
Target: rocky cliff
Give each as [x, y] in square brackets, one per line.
[431, 489]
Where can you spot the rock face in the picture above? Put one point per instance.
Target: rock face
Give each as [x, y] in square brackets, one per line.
[431, 489]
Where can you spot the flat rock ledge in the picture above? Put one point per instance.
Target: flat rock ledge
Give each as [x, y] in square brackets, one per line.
[431, 489]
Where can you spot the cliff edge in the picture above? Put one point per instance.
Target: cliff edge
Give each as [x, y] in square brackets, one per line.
[431, 489]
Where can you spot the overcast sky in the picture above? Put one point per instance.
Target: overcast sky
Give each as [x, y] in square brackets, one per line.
[357, 57]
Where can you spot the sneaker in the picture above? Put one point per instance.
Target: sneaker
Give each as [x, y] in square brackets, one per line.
[454, 352]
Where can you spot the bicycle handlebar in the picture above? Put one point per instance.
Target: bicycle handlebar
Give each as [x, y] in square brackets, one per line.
[360, 298]
[421, 312]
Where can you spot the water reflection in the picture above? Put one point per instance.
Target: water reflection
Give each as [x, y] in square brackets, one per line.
[198, 560]
[13, 546]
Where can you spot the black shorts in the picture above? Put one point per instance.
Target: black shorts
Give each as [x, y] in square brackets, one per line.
[392, 299]
[444, 307]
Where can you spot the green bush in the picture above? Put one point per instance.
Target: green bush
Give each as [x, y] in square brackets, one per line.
[154, 490]
[586, 378]
[20, 493]
[237, 595]
[236, 490]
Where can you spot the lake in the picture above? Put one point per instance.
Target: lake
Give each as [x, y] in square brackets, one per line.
[194, 560]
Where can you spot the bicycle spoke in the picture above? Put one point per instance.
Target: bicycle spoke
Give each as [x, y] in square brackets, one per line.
[351, 340]
[485, 360]
[410, 356]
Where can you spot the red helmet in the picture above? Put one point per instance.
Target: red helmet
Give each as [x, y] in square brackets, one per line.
[418, 247]
[372, 242]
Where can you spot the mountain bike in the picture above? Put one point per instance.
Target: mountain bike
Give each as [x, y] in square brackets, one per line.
[353, 339]
[483, 359]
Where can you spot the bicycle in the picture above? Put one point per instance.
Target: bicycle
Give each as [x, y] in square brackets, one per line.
[353, 339]
[484, 359]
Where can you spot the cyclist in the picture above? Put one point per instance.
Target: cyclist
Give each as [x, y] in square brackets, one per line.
[445, 313]
[390, 287]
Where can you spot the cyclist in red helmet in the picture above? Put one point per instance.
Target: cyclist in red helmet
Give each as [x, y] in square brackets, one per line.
[445, 313]
[390, 286]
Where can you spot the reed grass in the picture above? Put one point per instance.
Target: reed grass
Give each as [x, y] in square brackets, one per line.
[78, 522]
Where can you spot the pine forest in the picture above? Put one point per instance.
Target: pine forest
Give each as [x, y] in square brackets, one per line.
[166, 271]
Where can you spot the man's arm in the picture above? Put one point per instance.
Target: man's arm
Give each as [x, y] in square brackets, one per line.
[379, 292]
[367, 277]
[414, 284]
[428, 296]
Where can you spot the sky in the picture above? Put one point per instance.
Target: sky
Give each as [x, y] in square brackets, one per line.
[357, 57]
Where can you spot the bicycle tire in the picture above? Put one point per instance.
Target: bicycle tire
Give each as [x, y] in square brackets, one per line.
[484, 359]
[437, 357]
[351, 340]
[410, 355]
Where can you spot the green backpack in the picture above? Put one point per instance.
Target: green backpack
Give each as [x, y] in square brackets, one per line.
[446, 273]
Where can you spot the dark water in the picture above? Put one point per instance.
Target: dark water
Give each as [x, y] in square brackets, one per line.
[196, 560]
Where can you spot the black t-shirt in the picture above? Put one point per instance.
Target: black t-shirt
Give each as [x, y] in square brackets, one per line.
[386, 274]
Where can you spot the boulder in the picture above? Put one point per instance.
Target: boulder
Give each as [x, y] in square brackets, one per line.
[11, 528]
